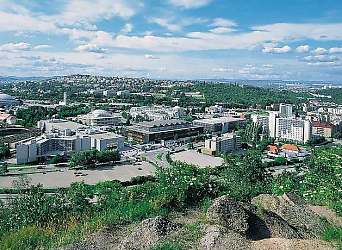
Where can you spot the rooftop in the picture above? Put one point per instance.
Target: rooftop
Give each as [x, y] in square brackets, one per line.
[222, 119]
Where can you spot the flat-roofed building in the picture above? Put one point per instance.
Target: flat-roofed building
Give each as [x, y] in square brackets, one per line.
[220, 124]
[325, 130]
[59, 126]
[104, 141]
[50, 145]
[157, 131]
[222, 144]
[99, 118]
[53, 144]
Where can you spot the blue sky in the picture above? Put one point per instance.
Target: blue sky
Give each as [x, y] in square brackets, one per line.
[254, 39]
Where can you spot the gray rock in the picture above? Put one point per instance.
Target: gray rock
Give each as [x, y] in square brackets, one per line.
[307, 224]
[228, 213]
[221, 238]
[148, 233]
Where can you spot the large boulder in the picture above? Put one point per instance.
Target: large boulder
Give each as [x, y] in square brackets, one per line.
[292, 210]
[228, 213]
[148, 233]
[220, 238]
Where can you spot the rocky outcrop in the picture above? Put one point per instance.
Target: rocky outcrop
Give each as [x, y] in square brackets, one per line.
[148, 233]
[228, 213]
[219, 238]
[294, 244]
[292, 210]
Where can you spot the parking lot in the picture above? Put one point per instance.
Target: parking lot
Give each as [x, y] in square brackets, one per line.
[64, 177]
[198, 159]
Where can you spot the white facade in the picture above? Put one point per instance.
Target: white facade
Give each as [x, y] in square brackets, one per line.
[49, 145]
[293, 129]
[53, 144]
[104, 141]
[220, 145]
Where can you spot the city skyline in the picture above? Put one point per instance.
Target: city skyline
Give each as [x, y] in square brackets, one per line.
[175, 39]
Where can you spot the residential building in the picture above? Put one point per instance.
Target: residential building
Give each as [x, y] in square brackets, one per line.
[293, 129]
[285, 110]
[325, 130]
[99, 118]
[221, 124]
[157, 131]
[222, 144]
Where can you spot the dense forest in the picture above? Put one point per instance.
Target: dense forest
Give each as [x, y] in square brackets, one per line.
[234, 94]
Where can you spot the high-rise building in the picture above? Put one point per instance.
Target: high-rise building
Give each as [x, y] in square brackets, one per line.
[293, 129]
[222, 144]
[285, 110]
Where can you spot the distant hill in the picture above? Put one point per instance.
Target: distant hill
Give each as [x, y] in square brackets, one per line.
[21, 78]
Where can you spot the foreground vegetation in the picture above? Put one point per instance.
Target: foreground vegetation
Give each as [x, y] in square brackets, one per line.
[39, 220]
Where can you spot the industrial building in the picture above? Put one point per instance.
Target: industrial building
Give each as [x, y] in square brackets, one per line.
[221, 124]
[157, 131]
[222, 144]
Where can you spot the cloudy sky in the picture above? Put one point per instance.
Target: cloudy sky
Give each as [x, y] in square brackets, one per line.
[254, 39]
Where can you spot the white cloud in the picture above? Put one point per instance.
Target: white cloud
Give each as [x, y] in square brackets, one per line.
[14, 47]
[89, 11]
[222, 22]
[42, 46]
[303, 49]
[321, 59]
[128, 27]
[149, 56]
[189, 4]
[90, 48]
[221, 70]
[221, 30]
[166, 23]
[335, 50]
[320, 51]
[277, 50]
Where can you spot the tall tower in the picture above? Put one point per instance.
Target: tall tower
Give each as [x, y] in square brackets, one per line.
[65, 98]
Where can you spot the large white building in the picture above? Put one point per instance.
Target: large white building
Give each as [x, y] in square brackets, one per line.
[290, 128]
[157, 113]
[54, 144]
[100, 118]
[220, 145]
